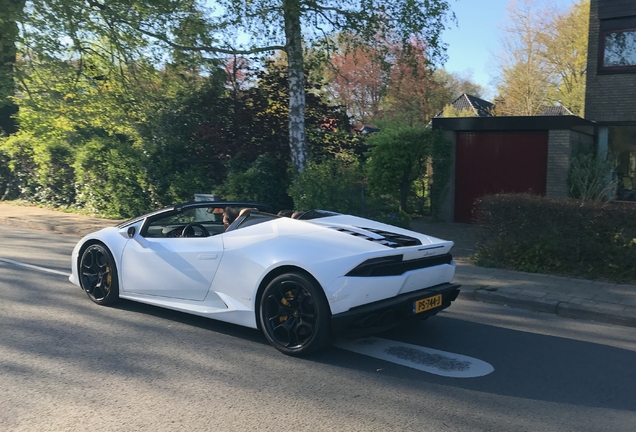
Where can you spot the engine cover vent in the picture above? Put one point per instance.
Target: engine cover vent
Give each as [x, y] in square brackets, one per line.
[384, 238]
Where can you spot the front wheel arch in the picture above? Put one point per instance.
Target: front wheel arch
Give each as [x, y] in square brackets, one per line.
[113, 295]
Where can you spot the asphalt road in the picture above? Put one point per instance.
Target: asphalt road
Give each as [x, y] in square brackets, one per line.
[68, 364]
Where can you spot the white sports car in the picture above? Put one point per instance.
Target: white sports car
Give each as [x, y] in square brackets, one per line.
[301, 281]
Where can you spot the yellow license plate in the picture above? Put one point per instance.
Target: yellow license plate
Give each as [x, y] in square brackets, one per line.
[427, 303]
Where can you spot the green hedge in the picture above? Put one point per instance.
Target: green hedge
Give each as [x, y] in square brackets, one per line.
[591, 239]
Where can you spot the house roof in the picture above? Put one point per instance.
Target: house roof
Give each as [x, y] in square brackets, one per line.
[365, 129]
[514, 123]
[481, 107]
[556, 111]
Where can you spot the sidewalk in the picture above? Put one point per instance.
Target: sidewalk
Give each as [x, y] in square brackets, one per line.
[568, 297]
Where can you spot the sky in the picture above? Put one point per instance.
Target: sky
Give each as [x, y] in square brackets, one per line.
[474, 42]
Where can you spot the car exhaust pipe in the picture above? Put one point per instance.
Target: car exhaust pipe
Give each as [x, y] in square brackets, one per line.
[370, 320]
[386, 317]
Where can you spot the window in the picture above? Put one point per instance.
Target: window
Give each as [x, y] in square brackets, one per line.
[174, 223]
[620, 49]
[617, 53]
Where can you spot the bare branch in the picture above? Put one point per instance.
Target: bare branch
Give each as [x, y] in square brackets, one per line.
[209, 48]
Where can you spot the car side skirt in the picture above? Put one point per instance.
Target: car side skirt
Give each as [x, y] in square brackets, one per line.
[233, 313]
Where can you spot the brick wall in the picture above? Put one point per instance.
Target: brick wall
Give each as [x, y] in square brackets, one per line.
[563, 145]
[609, 97]
[608, 9]
[559, 157]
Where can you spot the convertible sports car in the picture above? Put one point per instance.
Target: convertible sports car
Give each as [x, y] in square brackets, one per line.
[301, 281]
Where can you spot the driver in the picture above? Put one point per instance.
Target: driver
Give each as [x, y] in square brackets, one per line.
[229, 215]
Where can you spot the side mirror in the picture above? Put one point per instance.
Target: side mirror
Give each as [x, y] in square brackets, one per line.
[132, 233]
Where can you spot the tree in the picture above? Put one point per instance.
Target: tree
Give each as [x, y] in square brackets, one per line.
[281, 25]
[381, 81]
[410, 87]
[398, 156]
[182, 27]
[448, 86]
[450, 111]
[544, 58]
[566, 51]
[359, 80]
[525, 76]
[11, 10]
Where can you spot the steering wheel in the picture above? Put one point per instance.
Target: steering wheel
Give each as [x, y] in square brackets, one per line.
[189, 231]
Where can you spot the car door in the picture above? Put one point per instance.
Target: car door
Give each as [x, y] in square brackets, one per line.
[173, 267]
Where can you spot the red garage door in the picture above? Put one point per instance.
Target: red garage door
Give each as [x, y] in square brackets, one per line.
[498, 162]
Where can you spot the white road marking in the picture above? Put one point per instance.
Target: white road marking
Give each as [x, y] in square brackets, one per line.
[34, 267]
[418, 357]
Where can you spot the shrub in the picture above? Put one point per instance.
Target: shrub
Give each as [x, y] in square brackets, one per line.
[391, 216]
[398, 157]
[574, 237]
[8, 179]
[110, 180]
[339, 185]
[335, 184]
[42, 168]
[265, 180]
[590, 178]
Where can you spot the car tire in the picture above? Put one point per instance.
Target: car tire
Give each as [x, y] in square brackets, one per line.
[98, 275]
[294, 315]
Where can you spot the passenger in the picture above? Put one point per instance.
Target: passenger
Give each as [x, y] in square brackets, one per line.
[229, 215]
[247, 209]
[285, 213]
[217, 213]
[296, 215]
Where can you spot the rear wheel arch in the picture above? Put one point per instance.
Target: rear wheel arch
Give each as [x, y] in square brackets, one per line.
[273, 275]
[293, 312]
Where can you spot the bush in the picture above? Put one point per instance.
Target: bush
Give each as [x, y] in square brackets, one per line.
[398, 157]
[110, 180]
[339, 185]
[389, 216]
[42, 169]
[8, 179]
[265, 181]
[590, 178]
[335, 184]
[579, 238]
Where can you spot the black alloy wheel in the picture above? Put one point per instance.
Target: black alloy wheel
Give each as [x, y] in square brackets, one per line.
[98, 275]
[294, 315]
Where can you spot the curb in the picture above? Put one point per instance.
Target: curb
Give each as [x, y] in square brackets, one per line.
[626, 317]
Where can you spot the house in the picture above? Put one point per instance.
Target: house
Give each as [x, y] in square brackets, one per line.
[533, 154]
[472, 104]
[508, 154]
[515, 154]
[611, 86]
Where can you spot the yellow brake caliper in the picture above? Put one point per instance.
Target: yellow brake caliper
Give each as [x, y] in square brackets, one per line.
[284, 302]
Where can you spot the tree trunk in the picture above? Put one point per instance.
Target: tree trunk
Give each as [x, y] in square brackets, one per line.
[11, 10]
[294, 48]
